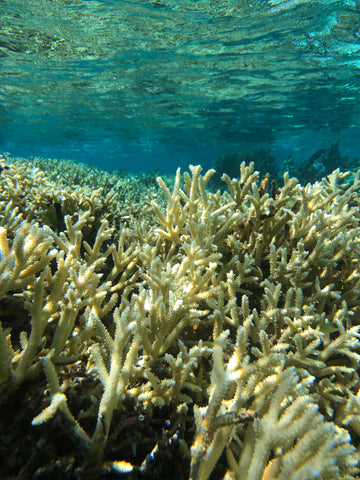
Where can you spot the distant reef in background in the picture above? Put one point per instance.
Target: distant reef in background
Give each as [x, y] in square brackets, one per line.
[320, 164]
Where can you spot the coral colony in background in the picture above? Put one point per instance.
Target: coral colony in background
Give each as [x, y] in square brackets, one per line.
[171, 330]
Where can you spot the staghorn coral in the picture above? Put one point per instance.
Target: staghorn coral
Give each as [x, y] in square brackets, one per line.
[129, 192]
[229, 164]
[223, 329]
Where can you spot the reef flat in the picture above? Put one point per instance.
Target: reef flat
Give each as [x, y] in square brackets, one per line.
[155, 328]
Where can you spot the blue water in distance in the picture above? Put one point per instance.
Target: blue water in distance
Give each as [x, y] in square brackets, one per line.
[147, 85]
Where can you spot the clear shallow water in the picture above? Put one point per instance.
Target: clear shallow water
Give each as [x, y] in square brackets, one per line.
[158, 84]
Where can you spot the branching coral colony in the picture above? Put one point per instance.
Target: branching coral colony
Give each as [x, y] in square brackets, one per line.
[225, 331]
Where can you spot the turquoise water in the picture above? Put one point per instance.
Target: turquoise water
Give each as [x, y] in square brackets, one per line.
[149, 85]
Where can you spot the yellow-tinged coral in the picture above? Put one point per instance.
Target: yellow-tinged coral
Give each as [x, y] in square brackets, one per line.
[225, 325]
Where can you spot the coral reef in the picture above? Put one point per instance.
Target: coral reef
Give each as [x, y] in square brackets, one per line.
[216, 335]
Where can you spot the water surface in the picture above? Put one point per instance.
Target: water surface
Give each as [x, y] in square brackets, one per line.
[157, 84]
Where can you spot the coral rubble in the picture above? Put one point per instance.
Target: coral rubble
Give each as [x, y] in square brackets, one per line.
[214, 332]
